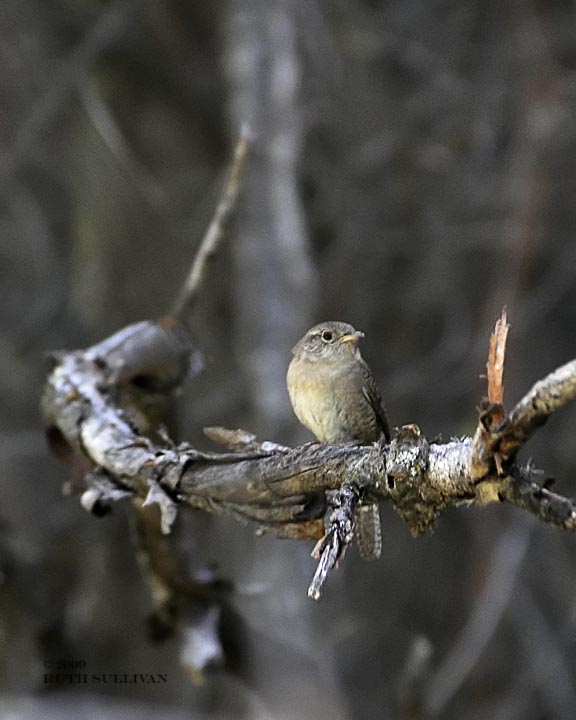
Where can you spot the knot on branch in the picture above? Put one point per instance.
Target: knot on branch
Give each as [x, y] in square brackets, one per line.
[407, 465]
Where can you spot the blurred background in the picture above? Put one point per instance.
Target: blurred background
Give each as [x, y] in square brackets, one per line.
[414, 170]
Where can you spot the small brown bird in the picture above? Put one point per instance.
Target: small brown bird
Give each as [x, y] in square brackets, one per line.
[334, 395]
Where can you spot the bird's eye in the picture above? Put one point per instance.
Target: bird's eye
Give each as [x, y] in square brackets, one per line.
[327, 336]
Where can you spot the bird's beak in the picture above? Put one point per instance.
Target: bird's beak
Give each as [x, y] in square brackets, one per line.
[352, 337]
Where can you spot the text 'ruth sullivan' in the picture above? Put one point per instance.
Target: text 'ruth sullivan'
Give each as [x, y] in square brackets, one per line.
[105, 678]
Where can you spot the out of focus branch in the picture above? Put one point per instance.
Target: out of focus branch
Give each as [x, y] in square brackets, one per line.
[490, 606]
[105, 32]
[139, 368]
[211, 241]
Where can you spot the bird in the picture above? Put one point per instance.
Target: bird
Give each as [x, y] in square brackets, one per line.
[334, 394]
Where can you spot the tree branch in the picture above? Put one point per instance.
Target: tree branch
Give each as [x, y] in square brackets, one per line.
[90, 414]
[213, 237]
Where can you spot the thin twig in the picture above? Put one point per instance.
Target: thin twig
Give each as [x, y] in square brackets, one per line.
[547, 655]
[210, 243]
[104, 122]
[483, 621]
[72, 71]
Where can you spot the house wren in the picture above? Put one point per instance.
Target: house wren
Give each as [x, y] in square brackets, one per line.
[334, 395]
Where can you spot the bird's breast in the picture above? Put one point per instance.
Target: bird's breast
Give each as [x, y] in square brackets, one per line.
[329, 401]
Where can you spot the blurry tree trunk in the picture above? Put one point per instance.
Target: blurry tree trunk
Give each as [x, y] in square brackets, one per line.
[275, 276]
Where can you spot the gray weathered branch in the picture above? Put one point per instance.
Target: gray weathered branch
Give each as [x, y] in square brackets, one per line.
[97, 403]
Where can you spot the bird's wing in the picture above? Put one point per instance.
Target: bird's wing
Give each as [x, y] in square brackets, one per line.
[372, 394]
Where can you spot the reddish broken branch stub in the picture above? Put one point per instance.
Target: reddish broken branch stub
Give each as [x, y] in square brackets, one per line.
[485, 456]
[495, 364]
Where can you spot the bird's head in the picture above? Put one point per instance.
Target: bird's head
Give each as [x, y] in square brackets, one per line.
[329, 340]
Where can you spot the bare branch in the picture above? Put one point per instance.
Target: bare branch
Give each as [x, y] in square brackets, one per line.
[208, 247]
[495, 449]
[486, 614]
[182, 603]
[104, 122]
[522, 490]
[104, 33]
[93, 403]
[545, 397]
[548, 662]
